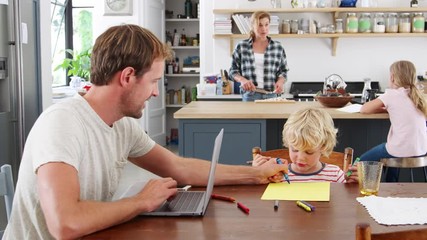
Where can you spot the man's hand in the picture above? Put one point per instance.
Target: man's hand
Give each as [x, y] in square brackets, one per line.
[270, 170]
[156, 192]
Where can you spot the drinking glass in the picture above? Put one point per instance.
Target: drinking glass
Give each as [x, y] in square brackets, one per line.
[369, 173]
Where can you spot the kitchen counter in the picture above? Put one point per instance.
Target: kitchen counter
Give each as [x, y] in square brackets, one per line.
[252, 110]
[249, 124]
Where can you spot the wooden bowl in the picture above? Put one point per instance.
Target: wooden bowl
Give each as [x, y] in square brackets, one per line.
[334, 101]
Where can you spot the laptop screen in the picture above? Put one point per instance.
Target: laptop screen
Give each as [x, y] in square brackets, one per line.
[215, 158]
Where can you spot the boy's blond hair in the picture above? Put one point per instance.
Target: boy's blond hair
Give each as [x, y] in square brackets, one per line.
[309, 129]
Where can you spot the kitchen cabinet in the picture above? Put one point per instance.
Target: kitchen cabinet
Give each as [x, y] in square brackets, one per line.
[250, 124]
[334, 13]
[176, 20]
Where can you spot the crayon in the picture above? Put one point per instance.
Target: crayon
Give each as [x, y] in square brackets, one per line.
[308, 204]
[304, 206]
[285, 175]
[276, 205]
[243, 208]
[349, 172]
[224, 198]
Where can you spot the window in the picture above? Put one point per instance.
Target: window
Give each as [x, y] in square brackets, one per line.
[71, 28]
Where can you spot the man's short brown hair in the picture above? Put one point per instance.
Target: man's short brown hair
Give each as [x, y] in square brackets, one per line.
[125, 46]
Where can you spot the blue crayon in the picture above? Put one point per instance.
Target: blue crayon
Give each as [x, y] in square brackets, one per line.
[285, 176]
[309, 205]
[304, 206]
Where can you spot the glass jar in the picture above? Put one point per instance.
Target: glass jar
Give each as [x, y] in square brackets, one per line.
[379, 23]
[365, 23]
[404, 23]
[352, 23]
[391, 24]
[294, 26]
[418, 23]
[338, 25]
[330, 28]
[414, 3]
[365, 91]
[286, 27]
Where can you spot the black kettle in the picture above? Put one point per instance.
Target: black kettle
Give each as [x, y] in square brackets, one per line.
[372, 94]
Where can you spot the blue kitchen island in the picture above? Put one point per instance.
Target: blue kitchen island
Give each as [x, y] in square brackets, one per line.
[250, 124]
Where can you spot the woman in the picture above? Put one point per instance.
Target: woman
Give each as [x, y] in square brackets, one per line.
[258, 63]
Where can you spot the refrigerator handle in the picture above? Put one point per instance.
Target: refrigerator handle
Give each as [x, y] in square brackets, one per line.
[16, 77]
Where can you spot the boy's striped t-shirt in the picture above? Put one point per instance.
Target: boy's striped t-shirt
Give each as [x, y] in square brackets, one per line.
[328, 173]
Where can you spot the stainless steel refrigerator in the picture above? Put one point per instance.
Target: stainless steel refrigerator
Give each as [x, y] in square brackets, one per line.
[20, 81]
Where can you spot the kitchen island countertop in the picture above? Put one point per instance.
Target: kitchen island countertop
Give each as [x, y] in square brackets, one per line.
[252, 110]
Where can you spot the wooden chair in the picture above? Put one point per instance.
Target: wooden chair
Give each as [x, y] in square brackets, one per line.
[337, 158]
[363, 232]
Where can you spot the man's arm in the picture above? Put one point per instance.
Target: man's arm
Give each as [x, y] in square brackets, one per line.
[69, 217]
[195, 171]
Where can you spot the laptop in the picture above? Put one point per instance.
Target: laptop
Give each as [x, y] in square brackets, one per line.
[192, 203]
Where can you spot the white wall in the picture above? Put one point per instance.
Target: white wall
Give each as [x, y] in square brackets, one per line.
[311, 60]
[102, 23]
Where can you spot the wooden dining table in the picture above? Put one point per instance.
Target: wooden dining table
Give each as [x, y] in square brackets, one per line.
[334, 219]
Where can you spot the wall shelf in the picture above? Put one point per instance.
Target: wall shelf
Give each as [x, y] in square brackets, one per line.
[191, 28]
[333, 36]
[319, 10]
[181, 20]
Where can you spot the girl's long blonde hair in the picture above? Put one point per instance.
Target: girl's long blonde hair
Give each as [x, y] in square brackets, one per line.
[405, 75]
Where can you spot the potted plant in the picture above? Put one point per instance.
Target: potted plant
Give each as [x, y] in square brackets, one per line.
[77, 65]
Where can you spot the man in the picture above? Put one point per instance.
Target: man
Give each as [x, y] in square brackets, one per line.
[76, 151]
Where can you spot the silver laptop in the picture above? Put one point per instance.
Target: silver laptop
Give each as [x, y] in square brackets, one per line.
[192, 203]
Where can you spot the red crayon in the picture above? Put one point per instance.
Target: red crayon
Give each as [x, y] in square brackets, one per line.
[224, 198]
[243, 208]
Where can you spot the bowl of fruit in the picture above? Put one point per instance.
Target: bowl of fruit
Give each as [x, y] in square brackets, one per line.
[334, 94]
[334, 99]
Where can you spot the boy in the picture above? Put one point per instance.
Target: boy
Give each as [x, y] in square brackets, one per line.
[309, 134]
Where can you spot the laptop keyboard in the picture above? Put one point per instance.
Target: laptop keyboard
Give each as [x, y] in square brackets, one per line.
[185, 202]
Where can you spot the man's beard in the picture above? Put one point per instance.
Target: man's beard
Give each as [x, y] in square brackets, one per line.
[129, 109]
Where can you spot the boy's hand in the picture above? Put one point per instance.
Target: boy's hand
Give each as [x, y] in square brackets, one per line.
[353, 178]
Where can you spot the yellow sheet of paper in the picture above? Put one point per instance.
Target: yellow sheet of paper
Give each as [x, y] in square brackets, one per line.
[307, 191]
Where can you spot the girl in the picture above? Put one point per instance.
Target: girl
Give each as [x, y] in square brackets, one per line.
[407, 110]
